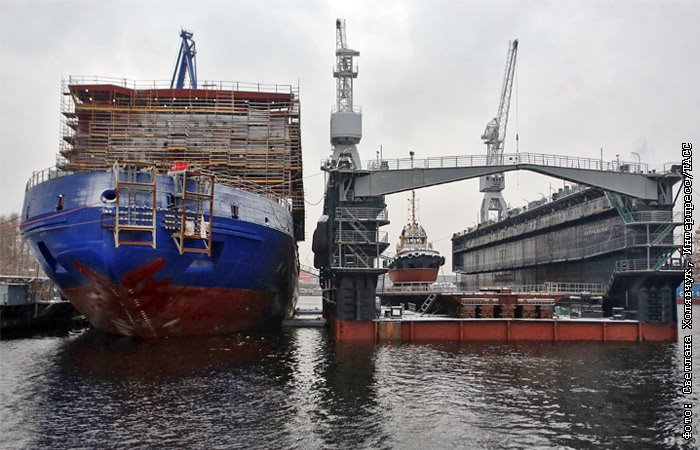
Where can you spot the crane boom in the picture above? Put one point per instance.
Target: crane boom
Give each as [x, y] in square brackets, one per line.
[494, 137]
[186, 63]
[495, 134]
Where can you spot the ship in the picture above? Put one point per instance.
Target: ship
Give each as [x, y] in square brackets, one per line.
[416, 262]
[693, 287]
[595, 245]
[172, 210]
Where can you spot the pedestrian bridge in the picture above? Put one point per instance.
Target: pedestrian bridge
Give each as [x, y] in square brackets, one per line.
[382, 176]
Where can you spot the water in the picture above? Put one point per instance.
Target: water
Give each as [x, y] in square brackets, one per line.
[298, 389]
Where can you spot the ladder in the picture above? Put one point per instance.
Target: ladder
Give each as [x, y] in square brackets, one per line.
[663, 233]
[193, 199]
[616, 202]
[135, 182]
[428, 303]
[662, 259]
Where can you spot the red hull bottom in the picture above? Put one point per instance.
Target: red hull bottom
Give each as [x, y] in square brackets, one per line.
[413, 275]
[502, 330]
[178, 311]
[141, 306]
[681, 301]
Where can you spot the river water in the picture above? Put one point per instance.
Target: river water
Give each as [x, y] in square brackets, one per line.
[298, 389]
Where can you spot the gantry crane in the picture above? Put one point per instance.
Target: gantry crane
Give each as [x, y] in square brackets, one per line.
[494, 137]
[186, 63]
[346, 121]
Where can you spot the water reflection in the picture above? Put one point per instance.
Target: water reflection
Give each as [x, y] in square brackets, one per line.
[221, 390]
[298, 389]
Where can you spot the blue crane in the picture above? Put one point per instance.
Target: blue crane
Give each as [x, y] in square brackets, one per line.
[186, 63]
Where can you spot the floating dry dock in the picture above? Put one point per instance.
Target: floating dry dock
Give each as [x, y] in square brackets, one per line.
[497, 315]
[614, 228]
[412, 328]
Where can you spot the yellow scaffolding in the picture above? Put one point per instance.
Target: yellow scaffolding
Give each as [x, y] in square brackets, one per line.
[245, 135]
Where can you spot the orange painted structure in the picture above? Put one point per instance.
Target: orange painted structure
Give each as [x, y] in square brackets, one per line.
[503, 330]
[414, 275]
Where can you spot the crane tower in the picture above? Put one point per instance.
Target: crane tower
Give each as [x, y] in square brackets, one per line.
[186, 63]
[494, 137]
[346, 120]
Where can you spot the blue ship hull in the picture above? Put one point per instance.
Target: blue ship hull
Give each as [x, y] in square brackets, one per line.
[248, 281]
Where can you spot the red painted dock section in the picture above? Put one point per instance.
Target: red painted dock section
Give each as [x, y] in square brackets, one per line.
[502, 330]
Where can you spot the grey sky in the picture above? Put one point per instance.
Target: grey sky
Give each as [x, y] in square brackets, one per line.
[619, 75]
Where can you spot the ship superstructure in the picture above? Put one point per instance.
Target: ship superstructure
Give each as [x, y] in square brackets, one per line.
[416, 262]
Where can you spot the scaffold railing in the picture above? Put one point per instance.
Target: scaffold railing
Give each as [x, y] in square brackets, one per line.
[247, 134]
[165, 84]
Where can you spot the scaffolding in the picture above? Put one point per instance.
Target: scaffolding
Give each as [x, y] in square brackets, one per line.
[247, 135]
[135, 207]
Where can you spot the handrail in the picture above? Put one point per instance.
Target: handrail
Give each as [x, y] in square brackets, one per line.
[309, 270]
[656, 216]
[361, 237]
[644, 265]
[51, 173]
[165, 84]
[361, 213]
[510, 159]
[39, 176]
[588, 250]
[546, 287]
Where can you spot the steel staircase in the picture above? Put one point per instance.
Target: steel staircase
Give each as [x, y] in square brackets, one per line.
[427, 304]
[616, 202]
[663, 233]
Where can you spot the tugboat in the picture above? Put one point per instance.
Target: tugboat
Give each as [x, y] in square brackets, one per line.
[415, 262]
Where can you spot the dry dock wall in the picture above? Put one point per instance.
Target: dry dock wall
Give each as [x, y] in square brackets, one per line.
[502, 330]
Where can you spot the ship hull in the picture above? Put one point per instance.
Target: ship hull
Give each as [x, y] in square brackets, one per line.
[415, 266]
[248, 282]
[398, 276]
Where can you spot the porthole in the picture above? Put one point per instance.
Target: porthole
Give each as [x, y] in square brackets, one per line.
[109, 196]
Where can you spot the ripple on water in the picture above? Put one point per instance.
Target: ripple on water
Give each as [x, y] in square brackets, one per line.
[298, 389]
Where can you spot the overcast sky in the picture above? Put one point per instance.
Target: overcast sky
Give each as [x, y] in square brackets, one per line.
[624, 76]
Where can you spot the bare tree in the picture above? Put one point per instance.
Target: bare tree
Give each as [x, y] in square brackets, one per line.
[16, 258]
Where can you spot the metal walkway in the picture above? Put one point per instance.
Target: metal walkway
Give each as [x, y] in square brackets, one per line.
[508, 159]
[381, 177]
